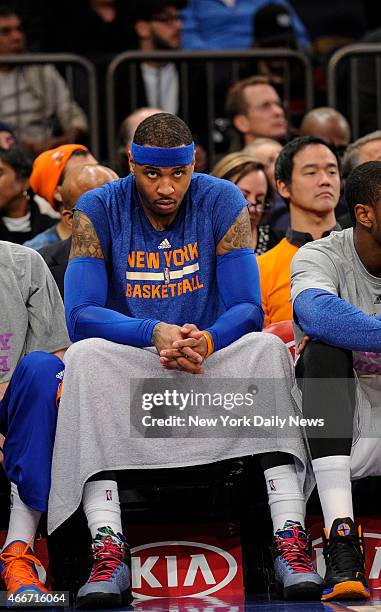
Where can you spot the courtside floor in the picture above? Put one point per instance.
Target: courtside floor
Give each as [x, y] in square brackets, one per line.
[254, 604]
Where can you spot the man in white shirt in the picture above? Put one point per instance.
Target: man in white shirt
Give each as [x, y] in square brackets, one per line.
[158, 27]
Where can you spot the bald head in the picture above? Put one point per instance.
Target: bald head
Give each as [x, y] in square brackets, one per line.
[328, 124]
[83, 178]
[130, 123]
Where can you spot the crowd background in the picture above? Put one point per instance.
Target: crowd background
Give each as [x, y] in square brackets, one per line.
[114, 26]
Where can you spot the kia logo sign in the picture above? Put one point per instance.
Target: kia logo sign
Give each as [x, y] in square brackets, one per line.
[180, 569]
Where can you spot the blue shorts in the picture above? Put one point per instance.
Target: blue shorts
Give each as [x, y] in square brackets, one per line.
[28, 417]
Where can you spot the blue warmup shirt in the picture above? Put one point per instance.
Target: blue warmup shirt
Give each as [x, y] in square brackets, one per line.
[169, 275]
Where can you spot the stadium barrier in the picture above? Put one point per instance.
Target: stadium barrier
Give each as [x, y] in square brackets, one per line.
[83, 91]
[216, 69]
[354, 86]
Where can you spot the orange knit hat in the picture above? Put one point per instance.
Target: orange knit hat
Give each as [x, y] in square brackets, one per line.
[48, 167]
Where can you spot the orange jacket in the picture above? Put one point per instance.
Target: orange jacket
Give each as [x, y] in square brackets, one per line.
[274, 269]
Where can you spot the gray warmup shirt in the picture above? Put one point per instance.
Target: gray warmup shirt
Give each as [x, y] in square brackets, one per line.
[332, 264]
[31, 309]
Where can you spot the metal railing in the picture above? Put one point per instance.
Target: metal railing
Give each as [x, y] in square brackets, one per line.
[210, 61]
[70, 63]
[348, 76]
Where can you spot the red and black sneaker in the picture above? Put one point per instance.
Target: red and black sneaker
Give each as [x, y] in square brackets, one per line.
[295, 574]
[109, 583]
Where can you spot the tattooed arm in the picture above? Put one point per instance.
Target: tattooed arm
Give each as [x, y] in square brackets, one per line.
[238, 285]
[85, 242]
[86, 293]
[238, 235]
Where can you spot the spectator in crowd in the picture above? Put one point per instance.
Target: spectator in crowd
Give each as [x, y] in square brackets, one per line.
[250, 177]
[161, 209]
[77, 181]
[255, 110]
[126, 134]
[336, 287]
[266, 150]
[366, 148]
[7, 137]
[158, 26]
[212, 24]
[20, 216]
[32, 320]
[48, 173]
[308, 178]
[329, 125]
[34, 100]
[274, 28]
[332, 127]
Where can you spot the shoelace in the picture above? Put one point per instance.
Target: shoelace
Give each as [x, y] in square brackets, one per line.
[295, 552]
[344, 554]
[18, 566]
[107, 558]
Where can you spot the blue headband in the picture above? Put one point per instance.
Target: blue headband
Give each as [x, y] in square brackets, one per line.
[160, 156]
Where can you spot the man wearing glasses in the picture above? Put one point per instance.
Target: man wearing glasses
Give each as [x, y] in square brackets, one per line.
[307, 175]
[158, 27]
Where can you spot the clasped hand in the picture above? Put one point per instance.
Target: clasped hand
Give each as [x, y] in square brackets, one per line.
[180, 348]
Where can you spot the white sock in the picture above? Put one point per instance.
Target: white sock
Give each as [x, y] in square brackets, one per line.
[286, 499]
[23, 520]
[101, 505]
[333, 479]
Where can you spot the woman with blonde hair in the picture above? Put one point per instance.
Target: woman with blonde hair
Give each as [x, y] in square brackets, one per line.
[250, 177]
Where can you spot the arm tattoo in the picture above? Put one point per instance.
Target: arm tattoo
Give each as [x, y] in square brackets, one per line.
[238, 235]
[85, 242]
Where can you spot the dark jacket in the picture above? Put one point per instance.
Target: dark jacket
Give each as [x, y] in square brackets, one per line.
[39, 223]
[57, 256]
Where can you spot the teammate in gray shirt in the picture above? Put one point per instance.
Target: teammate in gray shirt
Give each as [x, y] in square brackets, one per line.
[336, 294]
[32, 325]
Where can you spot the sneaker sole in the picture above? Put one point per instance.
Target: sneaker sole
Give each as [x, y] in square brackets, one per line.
[101, 601]
[301, 591]
[351, 589]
